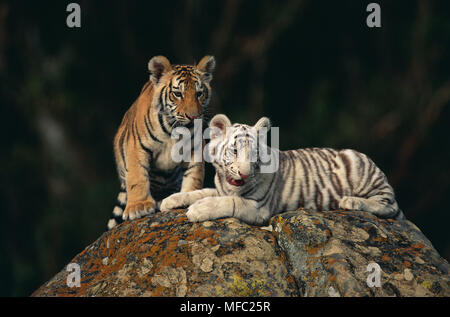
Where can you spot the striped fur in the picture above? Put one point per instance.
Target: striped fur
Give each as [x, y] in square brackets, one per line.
[174, 96]
[312, 178]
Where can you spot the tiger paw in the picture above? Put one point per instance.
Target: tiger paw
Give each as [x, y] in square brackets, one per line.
[135, 210]
[350, 203]
[173, 201]
[203, 209]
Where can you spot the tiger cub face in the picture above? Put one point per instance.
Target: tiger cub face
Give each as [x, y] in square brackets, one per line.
[234, 150]
[183, 91]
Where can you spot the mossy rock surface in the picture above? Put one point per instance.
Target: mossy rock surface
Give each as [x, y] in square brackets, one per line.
[300, 253]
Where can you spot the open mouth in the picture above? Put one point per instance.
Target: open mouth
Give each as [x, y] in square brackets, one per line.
[235, 182]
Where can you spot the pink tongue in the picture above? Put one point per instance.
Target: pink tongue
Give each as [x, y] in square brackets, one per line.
[235, 182]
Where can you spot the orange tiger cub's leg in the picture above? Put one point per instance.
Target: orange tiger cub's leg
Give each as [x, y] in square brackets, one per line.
[193, 177]
[194, 171]
[140, 202]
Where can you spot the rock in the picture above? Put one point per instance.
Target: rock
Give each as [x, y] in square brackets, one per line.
[328, 254]
[299, 253]
[166, 255]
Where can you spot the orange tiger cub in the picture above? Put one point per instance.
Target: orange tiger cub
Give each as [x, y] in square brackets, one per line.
[173, 97]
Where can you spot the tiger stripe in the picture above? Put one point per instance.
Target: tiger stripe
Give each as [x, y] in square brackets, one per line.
[142, 144]
[312, 178]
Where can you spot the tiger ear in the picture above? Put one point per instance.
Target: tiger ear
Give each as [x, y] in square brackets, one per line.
[218, 125]
[264, 122]
[207, 65]
[158, 66]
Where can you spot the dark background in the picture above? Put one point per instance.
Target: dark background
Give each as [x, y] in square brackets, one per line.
[313, 67]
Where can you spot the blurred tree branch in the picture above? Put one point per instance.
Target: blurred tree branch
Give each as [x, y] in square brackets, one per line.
[222, 33]
[248, 48]
[426, 117]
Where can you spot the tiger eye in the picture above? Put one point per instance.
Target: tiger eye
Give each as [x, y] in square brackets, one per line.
[177, 94]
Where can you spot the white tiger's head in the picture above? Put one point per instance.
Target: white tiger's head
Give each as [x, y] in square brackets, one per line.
[235, 149]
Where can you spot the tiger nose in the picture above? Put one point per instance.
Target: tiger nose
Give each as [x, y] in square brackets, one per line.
[192, 116]
[243, 176]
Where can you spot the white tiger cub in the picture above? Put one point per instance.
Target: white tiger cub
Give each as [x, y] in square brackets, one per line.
[312, 178]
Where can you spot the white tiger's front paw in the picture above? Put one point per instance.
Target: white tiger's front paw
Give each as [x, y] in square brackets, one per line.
[350, 203]
[173, 201]
[203, 209]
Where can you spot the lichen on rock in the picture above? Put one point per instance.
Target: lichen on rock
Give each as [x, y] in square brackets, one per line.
[329, 253]
[299, 253]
